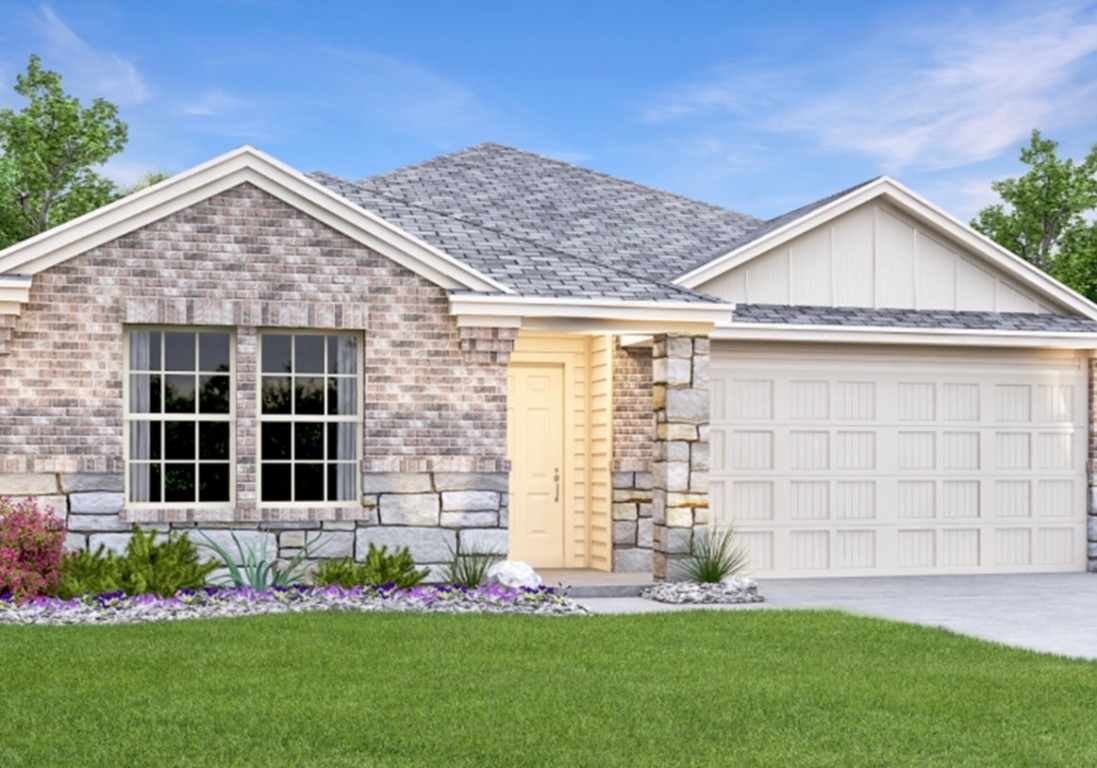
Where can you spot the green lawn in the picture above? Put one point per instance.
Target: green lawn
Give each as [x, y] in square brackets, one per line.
[747, 688]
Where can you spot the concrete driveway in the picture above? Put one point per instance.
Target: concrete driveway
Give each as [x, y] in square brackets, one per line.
[1053, 613]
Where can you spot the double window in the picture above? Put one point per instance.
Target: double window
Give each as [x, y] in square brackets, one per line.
[181, 417]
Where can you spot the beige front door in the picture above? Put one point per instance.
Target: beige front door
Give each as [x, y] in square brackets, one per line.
[535, 441]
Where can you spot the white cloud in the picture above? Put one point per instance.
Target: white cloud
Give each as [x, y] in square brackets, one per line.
[978, 85]
[213, 103]
[95, 72]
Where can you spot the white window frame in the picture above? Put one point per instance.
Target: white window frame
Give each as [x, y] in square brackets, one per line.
[129, 418]
[357, 419]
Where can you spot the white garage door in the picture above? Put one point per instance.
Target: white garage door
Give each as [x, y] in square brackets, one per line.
[871, 462]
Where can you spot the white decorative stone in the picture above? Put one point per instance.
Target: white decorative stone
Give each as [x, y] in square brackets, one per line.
[409, 509]
[512, 573]
[96, 503]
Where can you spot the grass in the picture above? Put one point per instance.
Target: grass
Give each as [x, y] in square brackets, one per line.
[767, 688]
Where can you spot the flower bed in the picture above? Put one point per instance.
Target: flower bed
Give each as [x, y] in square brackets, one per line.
[214, 602]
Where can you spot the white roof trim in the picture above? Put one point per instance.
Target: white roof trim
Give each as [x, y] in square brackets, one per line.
[957, 337]
[656, 312]
[917, 207]
[245, 164]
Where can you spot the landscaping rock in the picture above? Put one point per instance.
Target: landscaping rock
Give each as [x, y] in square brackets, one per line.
[733, 589]
[512, 573]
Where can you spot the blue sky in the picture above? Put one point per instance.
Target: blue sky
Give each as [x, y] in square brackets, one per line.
[760, 107]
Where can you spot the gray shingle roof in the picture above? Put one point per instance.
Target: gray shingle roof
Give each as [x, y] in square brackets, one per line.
[776, 223]
[777, 314]
[643, 231]
[528, 267]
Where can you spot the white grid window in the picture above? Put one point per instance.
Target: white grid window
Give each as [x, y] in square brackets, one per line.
[309, 405]
[179, 417]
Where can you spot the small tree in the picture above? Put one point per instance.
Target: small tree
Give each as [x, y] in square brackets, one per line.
[1046, 216]
[48, 152]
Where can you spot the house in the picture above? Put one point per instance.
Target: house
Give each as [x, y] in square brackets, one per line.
[492, 350]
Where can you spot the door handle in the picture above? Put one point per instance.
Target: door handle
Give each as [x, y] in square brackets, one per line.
[556, 479]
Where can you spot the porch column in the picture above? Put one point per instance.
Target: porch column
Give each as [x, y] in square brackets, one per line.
[680, 397]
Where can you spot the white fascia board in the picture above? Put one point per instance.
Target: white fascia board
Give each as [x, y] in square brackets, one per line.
[594, 309]
[946, 337]
[245, 164]
[919, 208]
[15, 288]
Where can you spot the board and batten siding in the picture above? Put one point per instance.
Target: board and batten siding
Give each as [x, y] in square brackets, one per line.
[874, 256]
[587, 439]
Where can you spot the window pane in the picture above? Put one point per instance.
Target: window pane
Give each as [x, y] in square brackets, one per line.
[145, 393]
[139, 482]
[155, 495]
[276, 482]
[276, 394]
[308, 441]
[179, 393]
[179, 444]
[310, 354]
[276, 441]
[342, 396]
[213, 440]
[342, 355]
[179, 351]
[144, 351]
[341, 441]
[178, 482]
[213, 352]
[309, 395]
[156, 440]
[140, 440]
[214, 394]
[276, 353]
[213, 482]
[309, 482]
[341, 482]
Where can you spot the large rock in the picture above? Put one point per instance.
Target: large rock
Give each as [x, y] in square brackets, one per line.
[512, 573]
[427, 545]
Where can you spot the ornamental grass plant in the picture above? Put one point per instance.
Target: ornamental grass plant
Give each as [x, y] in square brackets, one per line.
[714, 555]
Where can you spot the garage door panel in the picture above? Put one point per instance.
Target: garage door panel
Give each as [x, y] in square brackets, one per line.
[856, 465]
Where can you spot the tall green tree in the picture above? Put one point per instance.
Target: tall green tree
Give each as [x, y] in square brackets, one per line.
[48, 153]
[1047, 216]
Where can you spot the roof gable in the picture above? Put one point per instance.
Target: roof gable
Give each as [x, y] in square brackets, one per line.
[244, 165]
[880, 245]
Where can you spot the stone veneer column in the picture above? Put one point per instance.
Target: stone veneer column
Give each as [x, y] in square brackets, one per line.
[680, 397]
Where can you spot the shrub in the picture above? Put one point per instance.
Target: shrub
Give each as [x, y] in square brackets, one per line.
[257, 570]
[469, 569]
[147, 567]
[379, 567]
[714, 555]
[32, 543]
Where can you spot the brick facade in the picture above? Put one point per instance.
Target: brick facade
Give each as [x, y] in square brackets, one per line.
[434, 393]
[633, 417]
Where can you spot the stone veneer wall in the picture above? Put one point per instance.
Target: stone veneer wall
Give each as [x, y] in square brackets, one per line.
[632, 522]
[434, 426]
[680, 503]
[1091, 470]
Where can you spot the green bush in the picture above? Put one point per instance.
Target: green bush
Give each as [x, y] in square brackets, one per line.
[714, 555]
[379, 567]
[147, 567]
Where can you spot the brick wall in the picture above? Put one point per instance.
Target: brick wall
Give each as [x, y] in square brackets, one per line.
[633, 416]
[434, 394]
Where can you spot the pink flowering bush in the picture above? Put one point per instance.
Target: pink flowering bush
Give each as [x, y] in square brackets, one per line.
[32, 545]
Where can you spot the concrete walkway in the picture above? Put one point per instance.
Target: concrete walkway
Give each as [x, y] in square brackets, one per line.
[1053, 613]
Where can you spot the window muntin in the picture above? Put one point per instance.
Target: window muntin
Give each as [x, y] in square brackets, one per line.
[309, 405]
[179, 417]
